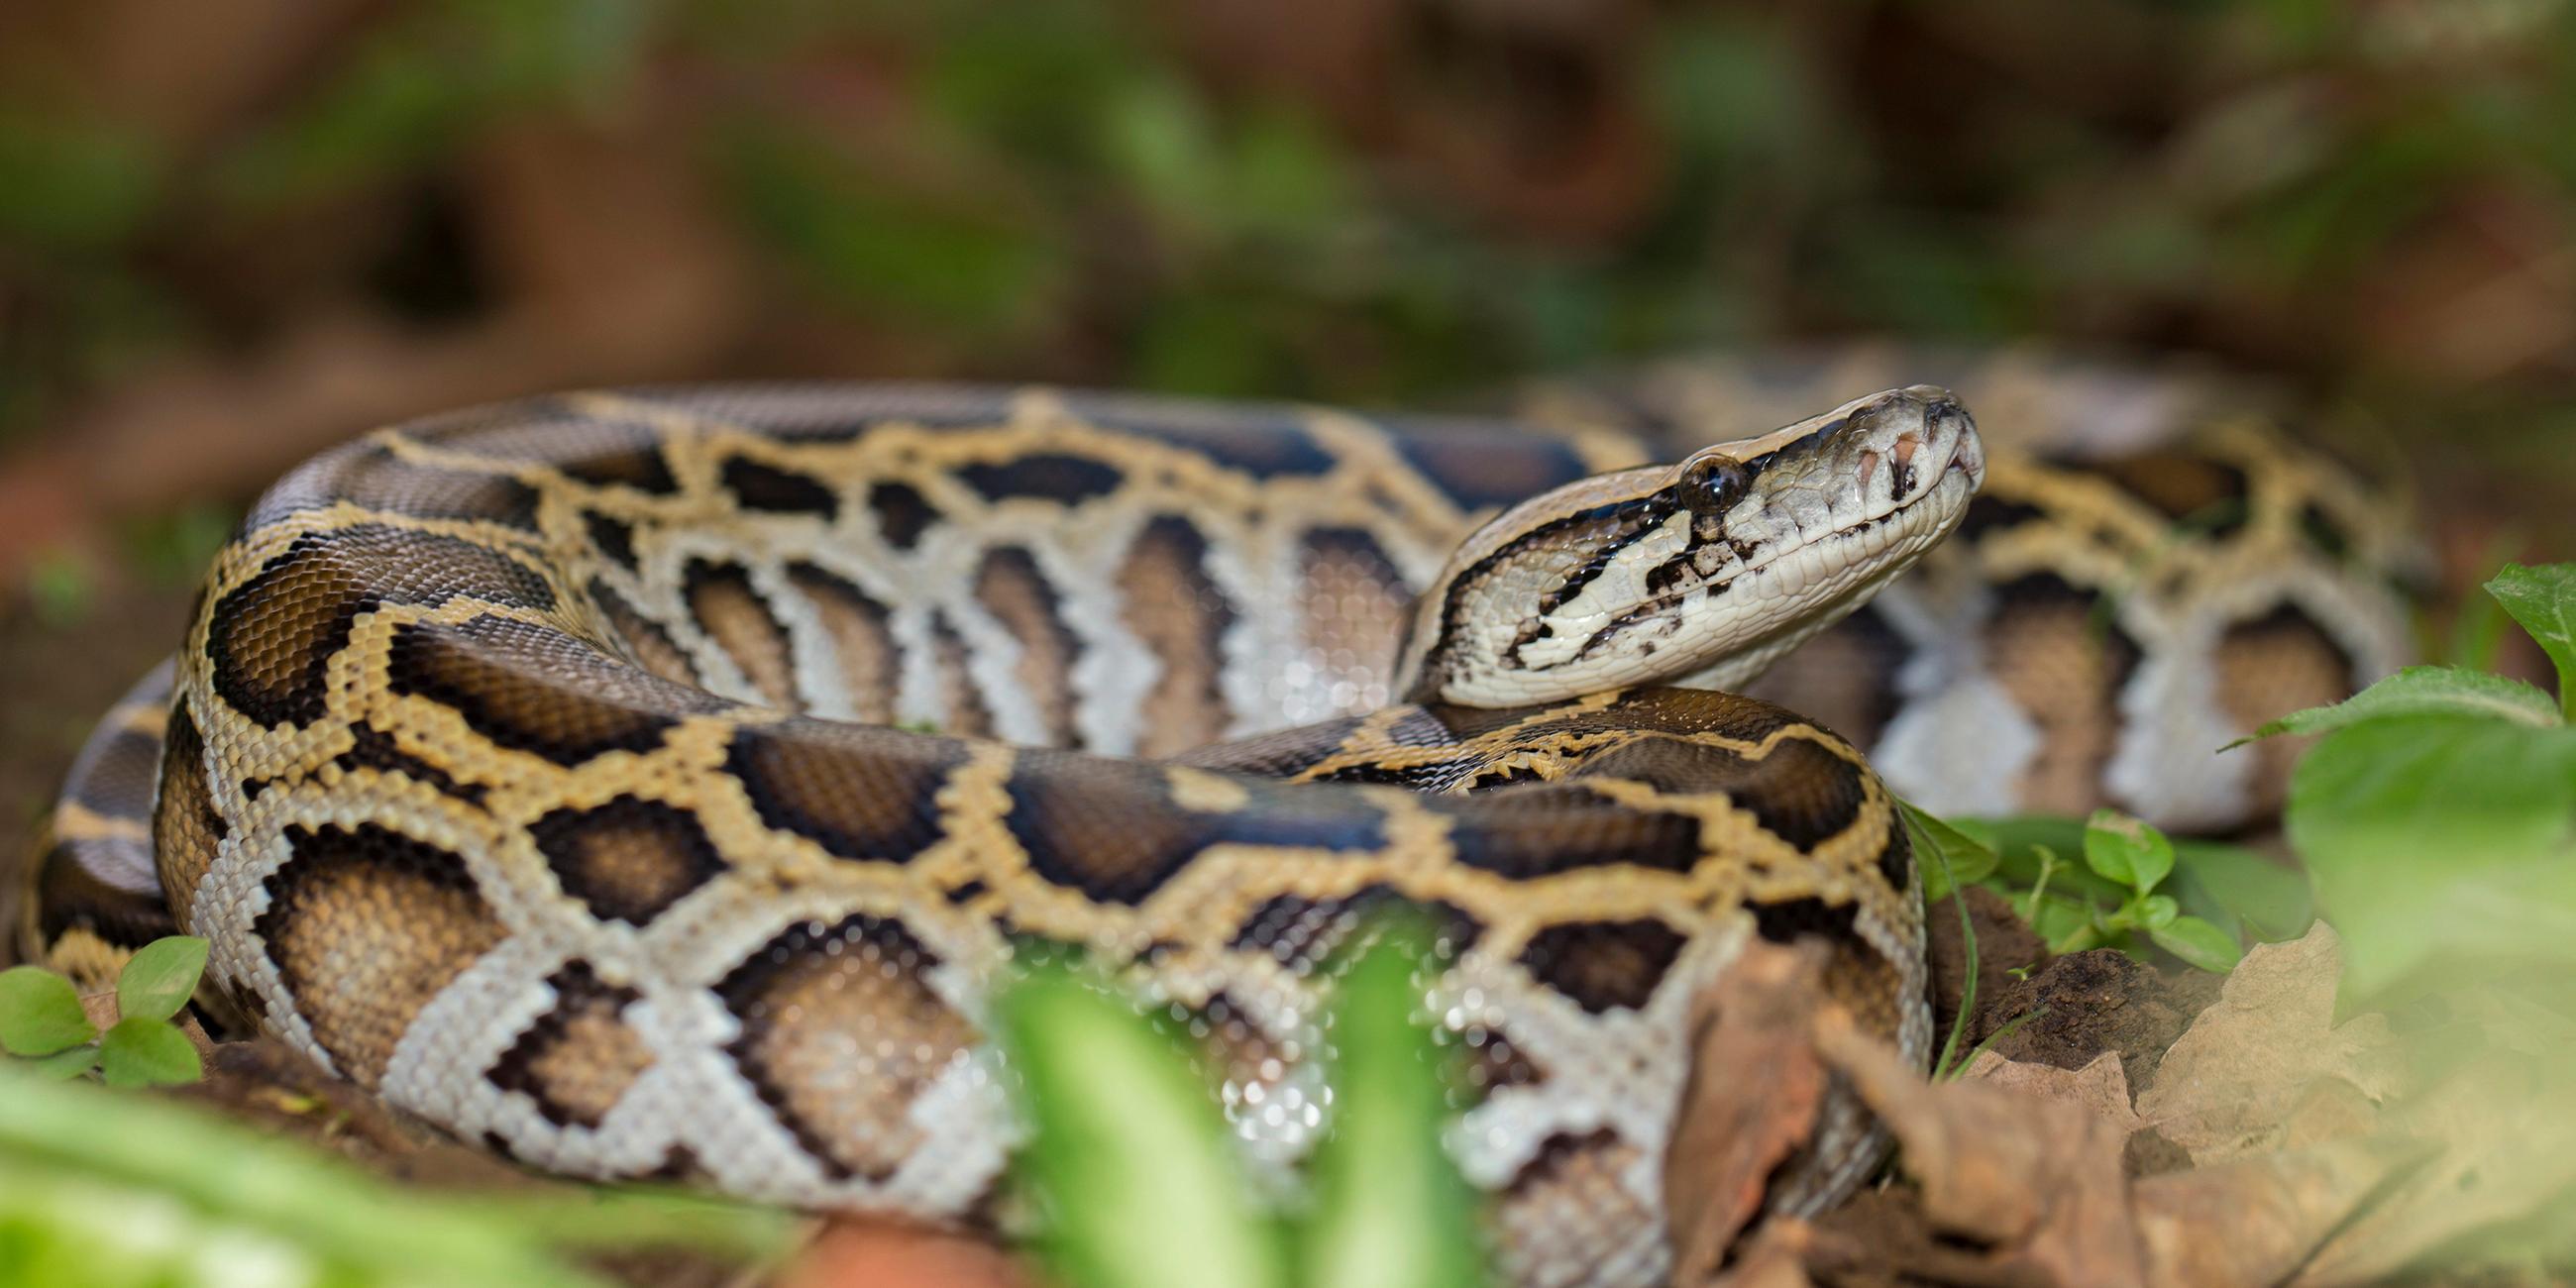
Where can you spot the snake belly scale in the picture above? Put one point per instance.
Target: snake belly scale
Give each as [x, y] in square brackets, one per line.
[563, 773]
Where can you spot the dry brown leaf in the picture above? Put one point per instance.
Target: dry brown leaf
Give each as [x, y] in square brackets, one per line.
[882, 1254]
[1755, 1086]
[1776, 1257]
[2038, 1179]
[2254, 1221]
[2100, 1086]
[2235, 1082]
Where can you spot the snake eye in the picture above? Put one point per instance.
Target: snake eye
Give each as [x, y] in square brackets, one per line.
[1711, 485]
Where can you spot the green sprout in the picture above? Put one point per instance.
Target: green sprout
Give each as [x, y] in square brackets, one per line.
[43, 1024]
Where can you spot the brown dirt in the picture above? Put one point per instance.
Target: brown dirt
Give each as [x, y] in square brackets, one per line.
[2083, 1004]
[2077, 1007]
[2004, 945]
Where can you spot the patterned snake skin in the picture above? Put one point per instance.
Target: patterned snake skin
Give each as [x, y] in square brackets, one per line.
[559, 771]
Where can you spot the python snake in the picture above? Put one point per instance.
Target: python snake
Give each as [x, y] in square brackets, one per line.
[562, 771]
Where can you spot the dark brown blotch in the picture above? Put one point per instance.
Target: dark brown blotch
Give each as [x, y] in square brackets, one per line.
[757, 485]
[1857, 975]
[640, 466]
[1990, 513]
[2211, 495]
[2057, 651]
[646, 640]
[1603, 964]
[862, 638]
[1264, 447]
[365, 925]
[1110, 830]
[1539, 830]
[732, 613]
[902, 513]
[1800, 791]
[1482, 468]
[1176, 610]
[629, 859]
[612, 537]
[580, 1058]
[1298, 930]
[2323, 532]
[1043, 476]
[1010, 586]
[840, 1034]
[859, 792]
[1896, 859]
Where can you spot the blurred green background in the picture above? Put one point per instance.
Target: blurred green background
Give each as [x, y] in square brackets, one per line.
[232, 231]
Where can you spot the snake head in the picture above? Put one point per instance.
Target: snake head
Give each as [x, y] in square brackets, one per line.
[1701, 572]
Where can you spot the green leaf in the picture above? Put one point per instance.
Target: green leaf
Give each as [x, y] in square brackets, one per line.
[1950, 858]
[2235, 887]
[142, 1052]
[1391, 1210]
[2438, 842]
[64, 1065]
[2157, 910]
[2423, 690]
[2021, 841]
[2543, 599]
[2122, 849]
[160, 978]
[2058, 918]
[2198, 943]
[1128, 1157]
[40, 1013]
[203, 1163]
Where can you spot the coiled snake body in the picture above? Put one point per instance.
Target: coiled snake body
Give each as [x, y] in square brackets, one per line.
[555, 770]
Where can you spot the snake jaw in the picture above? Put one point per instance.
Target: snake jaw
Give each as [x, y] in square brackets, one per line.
[1710, 567]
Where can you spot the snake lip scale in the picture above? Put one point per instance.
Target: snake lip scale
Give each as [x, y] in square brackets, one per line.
[552, 769]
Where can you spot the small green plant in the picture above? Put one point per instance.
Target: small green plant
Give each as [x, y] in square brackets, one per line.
[42, 1021]
[2137, 859]
[2134, 887]
[1139, 1184]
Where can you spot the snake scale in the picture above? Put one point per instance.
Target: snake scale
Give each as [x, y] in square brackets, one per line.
[655, 783]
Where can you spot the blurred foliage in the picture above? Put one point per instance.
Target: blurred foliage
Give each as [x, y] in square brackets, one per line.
[111, 1189]
[1390, 200]
[1135, 1179]
[2437, 815]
